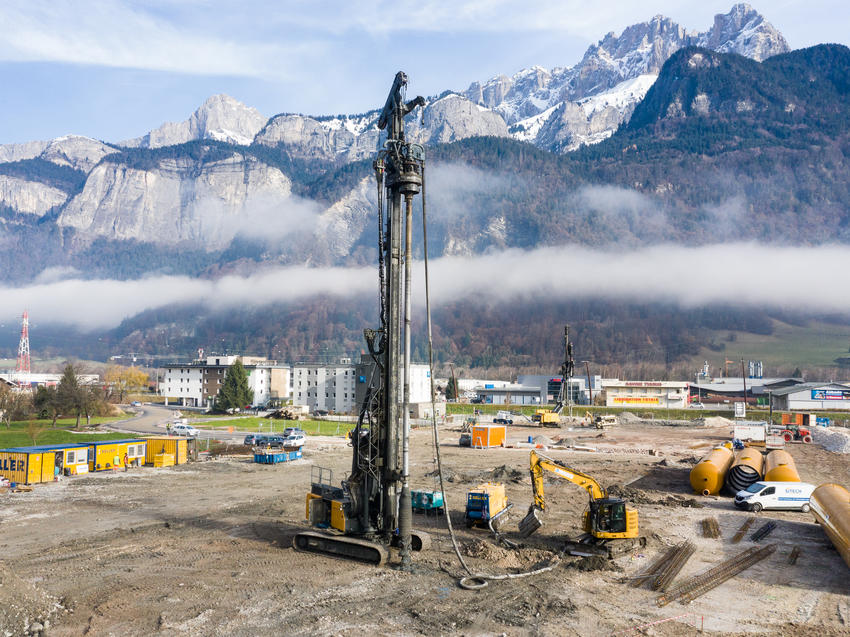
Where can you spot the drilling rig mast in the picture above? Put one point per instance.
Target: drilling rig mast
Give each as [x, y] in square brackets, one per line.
[372, 507]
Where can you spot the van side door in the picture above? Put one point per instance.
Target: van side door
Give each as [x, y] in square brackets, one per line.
[768, 498]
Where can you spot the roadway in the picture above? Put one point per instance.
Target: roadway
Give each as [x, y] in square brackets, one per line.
[151, 420]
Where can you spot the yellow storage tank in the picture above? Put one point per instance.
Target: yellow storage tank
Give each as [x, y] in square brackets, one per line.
[746, 470]
[173, 445]
[109, 454]
[830, 504]
[708, 475]
[779, 467]
[30, 465]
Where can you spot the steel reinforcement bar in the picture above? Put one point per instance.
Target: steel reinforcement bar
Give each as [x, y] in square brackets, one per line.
[636, 580]
[672, 568]
[743, 530]
[689, 590]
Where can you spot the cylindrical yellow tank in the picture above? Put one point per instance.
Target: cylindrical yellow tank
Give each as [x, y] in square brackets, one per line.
[707, 476]
[779, 467]
[830, 504]
[745, 470]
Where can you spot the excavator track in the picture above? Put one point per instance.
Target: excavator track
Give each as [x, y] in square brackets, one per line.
[341, 547]
[587, 546]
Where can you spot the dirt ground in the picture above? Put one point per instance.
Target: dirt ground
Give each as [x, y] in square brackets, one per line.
[205, 549]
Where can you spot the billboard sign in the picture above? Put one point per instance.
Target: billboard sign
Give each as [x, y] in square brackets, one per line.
[740, 410]
[831, 394]
[635, 400]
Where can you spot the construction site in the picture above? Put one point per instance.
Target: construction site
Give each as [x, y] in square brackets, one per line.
[206, 548]
[557, 525]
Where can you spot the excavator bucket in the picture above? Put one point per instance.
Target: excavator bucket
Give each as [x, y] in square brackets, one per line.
[530, 523]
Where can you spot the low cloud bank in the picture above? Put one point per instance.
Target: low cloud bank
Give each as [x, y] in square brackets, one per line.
[742, 274]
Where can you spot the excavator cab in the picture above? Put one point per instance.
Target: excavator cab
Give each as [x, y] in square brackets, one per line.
[607, 516]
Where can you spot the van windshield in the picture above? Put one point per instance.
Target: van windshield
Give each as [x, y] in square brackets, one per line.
[755, 488]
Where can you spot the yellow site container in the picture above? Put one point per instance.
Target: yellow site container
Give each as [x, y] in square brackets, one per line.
[830, 504]
[779, 467]
[177, 447]
[163, 460]
[109, 454]
[31, 465]
[489, 435]
[708, 475]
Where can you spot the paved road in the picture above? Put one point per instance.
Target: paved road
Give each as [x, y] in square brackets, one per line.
[151, 419]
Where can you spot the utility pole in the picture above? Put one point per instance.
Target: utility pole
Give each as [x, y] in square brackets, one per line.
[744, 378]
[589, 384]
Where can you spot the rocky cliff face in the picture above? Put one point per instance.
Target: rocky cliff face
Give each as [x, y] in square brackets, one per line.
[349, 138]
[221, 118]
[184, 198]
[29, 197]
[75, 151]
[180, 200]
[530, 98]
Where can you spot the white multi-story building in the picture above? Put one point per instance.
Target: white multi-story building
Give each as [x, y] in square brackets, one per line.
[325, 386]
[197, 384]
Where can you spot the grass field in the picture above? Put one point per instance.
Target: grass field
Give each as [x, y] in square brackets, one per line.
[267, 425]
[18, 435]
[814, 345]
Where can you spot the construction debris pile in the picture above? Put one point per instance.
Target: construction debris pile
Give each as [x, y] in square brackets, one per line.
[832, 438]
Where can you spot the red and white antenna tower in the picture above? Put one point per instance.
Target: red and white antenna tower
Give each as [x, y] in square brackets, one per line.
[24, 346]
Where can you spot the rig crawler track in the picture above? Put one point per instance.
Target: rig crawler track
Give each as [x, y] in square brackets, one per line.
[690, 589]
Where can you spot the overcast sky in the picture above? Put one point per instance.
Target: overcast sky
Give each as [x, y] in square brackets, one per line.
[114, 69]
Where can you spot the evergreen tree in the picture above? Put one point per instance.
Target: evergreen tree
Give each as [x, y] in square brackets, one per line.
[68, 393]
[234, 393]
[451, 390]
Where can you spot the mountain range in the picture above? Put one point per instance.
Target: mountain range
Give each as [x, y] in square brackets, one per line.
[658, 135]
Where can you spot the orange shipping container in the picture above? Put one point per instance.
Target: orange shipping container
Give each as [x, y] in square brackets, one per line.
[489, 435]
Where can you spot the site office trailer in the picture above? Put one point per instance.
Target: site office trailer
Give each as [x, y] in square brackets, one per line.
[173, 445]
[30, 465]
[109, 454]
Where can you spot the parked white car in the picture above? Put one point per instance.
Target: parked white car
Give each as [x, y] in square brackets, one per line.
[295, 440]
[184, 430]
[792, 496]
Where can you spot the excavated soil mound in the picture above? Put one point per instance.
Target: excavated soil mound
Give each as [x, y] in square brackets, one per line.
[628, 416]
[632, 495]
[717, 421]
[594, 563]
[505, 473]
[23, 607]
[505, 558]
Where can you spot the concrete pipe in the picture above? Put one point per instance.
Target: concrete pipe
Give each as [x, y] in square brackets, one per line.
[830, 504]
[779, 467]
[707, 476]
[745, 470]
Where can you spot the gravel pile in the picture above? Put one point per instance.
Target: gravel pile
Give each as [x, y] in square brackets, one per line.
[832, 438]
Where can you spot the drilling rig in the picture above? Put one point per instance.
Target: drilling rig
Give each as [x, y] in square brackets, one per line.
[371, 509]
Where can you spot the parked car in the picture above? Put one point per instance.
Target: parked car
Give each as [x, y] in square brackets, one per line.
[696, 406]
[135, 403]
[792, 496]
[292, 430]
[320, 412]
[253, 439]
[295, 440]
[184, 430]
[275, 442]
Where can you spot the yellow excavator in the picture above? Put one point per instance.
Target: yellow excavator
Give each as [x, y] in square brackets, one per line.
[610, 526]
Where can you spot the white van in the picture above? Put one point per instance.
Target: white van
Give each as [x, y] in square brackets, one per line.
[792, 496]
